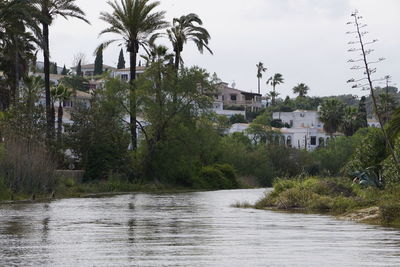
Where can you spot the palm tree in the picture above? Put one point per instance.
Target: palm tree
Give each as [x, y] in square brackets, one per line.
[157, 53]
[331, 114]
[50, 9]
[60, 93]
[260, 70]
[349, 123]
[135, 22]
[188, 28]
[301, 89]
[272, 95]
[274, 81]
[17, 44]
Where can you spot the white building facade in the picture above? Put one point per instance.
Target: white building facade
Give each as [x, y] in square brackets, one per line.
[306, 130]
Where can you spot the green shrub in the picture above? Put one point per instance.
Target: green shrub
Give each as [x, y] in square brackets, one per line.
[390, 212]
[4, 190]
[229, 173]
[281, 185]
[68, 182]
[216, 177]
[293, 198]
[320, 203]
[343, 204]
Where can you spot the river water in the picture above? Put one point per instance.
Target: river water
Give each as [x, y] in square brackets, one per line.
[186, 229]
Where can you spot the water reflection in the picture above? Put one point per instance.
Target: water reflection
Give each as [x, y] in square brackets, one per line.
[193, 229]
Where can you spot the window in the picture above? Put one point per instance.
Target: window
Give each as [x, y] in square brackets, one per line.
[291, 123]
[233, 97]
[124, 77]
[313, 140]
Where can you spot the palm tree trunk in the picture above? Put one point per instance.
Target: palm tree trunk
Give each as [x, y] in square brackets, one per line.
[273, 97]
[59, 122]
[177, 60]
[46, 54]
[16, 89]
[133, 57]
[259, 85]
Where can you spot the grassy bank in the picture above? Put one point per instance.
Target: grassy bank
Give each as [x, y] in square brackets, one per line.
[336, 196]
[214, 177]
[69, 188]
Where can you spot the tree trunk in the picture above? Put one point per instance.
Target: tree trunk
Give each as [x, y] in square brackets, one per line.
[259, 85]
[49, 114]
[15, 93]
[132, 95]
[177, 60]
[59, 122]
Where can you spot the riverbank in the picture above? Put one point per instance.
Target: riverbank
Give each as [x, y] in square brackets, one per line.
[74, 188]
[337, 197]
[70, 188]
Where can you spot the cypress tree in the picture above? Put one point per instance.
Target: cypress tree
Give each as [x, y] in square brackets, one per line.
[79, 68]
[362, 113]
[64, 71]
[53, 68]
[98, 62]
[121, 60]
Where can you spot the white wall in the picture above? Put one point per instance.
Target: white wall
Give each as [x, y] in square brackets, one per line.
[299, 118]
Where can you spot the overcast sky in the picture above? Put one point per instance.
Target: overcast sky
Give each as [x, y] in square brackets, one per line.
[304, 40]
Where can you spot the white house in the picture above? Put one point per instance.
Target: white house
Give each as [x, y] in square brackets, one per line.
[88, 70]
[299, 118]
[125, 74]
[374, 123]
[306, 130]
[218, 108]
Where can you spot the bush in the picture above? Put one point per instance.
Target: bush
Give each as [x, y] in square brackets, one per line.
[390, 212]
[216, 177]
[320, 203]
[237, 118]
[293, 198]
[370, 152]
[4, 190]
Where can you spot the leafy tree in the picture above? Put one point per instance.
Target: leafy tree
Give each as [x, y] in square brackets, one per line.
[121, 60]
[274, 81]
[134, 21]
[50, 9]
[260, 69]
[331, 114]
[370, 152]
[237, 118]
[178, 135]
[187, 28]
[98, 62]
[301, 89]
[102, 151]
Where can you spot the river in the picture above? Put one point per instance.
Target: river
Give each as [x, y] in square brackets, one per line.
[185, 229]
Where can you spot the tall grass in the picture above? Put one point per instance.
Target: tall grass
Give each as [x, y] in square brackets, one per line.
[333, 195]
[26, 166]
